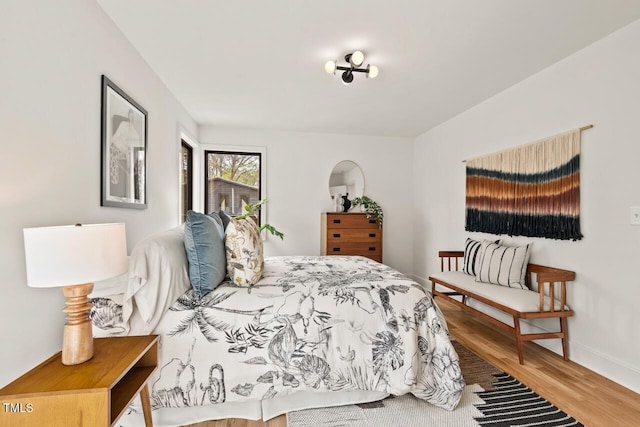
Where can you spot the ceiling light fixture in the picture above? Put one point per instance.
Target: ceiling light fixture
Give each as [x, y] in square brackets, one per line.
[355, 60]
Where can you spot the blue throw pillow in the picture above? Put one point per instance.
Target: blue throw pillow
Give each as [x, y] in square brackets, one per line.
[204, 244]
[225, 218]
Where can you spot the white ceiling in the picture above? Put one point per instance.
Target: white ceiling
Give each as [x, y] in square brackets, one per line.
[259, 63]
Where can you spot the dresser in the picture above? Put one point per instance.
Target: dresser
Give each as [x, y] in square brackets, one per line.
[351, 233]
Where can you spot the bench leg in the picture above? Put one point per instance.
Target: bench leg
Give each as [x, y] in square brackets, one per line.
[518, 336]
[563, 329]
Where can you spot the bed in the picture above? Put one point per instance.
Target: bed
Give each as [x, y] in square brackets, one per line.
[314, 331]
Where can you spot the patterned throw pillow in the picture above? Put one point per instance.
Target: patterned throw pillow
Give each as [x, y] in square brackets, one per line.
[245, 259]
[503, 265]
[471, 259]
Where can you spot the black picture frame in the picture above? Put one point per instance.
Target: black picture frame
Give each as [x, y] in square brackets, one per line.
[124, 149]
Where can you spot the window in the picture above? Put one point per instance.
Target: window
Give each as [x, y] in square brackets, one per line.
[186, 180]
[233, 179]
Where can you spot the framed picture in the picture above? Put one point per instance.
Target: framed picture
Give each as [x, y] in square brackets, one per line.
[124, 149]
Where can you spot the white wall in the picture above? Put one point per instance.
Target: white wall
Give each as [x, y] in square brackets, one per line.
[53, 54]
[298, 169]
[599, 85]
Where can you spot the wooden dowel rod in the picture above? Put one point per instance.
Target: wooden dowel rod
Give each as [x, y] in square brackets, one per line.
[581, 129]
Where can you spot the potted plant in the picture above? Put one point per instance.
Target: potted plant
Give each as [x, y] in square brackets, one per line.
[250, 209]
[371, 208]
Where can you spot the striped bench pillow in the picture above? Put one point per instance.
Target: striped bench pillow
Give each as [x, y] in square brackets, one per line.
[472, 256]
[503, 265]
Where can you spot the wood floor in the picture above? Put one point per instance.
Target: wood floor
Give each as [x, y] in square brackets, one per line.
[590, 398]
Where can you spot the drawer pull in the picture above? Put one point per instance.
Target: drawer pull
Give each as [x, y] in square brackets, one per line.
[336, 234]
[336, 221]
[372, 234]
[372, 221]
[336, 249]
[372, 248]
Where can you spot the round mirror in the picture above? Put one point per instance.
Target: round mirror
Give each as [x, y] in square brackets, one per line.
[346, 179]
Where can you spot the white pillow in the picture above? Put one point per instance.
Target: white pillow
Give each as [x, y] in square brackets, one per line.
[158, 276]
[245, 257]
[110, 287]
[503, 265]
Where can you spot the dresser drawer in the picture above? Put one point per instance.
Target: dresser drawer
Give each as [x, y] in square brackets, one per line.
[354, 249]
[355, 235]
[351, 221]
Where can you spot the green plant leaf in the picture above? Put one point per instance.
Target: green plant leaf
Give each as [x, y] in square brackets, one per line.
[251, 208]
[371, 208]
[271, 229]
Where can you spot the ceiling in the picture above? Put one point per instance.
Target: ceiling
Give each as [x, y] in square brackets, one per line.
[259, 64]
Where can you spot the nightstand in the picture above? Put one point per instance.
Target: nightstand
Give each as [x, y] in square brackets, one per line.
[94, 393]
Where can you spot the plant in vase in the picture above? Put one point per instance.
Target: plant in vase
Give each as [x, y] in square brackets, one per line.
[250, 209]
[371, 208]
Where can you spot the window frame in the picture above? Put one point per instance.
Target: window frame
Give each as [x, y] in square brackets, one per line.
[196, 200]
[237, 149]
[189, 179]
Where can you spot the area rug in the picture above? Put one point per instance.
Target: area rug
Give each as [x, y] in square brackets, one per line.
[490, 398]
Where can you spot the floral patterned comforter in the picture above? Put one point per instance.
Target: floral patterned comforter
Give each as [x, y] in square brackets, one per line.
[311, 323]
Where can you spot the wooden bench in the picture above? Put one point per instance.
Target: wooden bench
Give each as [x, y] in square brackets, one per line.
[543, 301]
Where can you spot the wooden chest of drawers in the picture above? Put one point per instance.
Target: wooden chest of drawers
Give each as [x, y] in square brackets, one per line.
[351, 233]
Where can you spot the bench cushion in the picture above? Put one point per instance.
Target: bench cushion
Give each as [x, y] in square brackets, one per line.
[522, 300]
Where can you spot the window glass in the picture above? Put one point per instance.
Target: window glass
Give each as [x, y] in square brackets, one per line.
[232, 180]
[186, 180]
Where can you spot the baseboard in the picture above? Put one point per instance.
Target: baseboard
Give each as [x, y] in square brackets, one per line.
[603, 364]
[609, 367]
[421, 280]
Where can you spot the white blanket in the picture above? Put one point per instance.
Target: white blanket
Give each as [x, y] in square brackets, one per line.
[312, 324]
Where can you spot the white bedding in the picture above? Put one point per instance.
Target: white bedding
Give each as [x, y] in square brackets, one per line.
[158, 275]
[312, 324]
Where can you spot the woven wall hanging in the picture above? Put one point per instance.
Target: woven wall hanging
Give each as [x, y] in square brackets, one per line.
[532, 190]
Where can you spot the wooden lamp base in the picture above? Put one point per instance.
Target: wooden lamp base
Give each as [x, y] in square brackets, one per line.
[77, 343]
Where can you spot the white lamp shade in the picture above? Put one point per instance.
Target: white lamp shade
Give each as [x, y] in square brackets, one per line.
[357, 58]
[74, 254]
[373, 71]
[330, 67]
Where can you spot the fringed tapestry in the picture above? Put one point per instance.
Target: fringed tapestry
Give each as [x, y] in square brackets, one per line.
[532, 190]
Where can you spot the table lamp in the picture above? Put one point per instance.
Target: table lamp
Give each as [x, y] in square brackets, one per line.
[74, 257]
